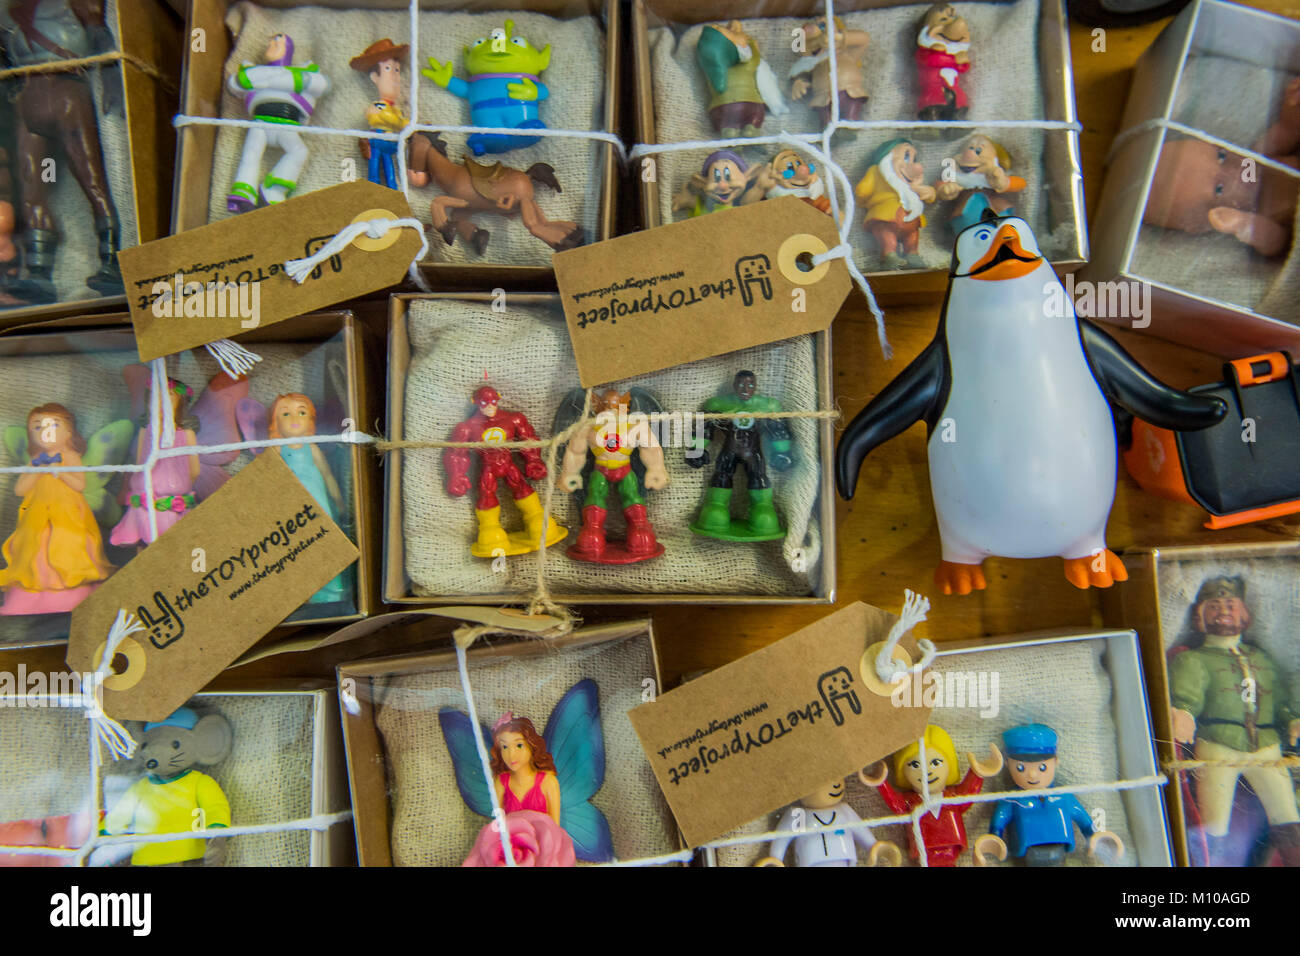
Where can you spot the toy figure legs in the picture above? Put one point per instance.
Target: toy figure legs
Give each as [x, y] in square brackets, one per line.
[851, 108]
[1215, 786]
[56, 110]
[890, 236]
[283, 177]
[492, 537]
[729, 118]
[591, 543]
[383, 163]
[1045, 854]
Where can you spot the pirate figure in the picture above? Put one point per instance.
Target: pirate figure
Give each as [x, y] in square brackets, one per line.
[742, 444]
[55, 116]
[1231, 704]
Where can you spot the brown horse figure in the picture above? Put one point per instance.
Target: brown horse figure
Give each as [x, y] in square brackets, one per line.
[472, 187]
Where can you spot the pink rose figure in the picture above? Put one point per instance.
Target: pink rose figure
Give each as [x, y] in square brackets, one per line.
[535, 840]
[178, 503]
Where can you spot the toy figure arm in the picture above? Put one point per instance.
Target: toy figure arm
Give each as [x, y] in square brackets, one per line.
[1002, 811]
[908, 399]
[534, 467]
[441, 73]
[778, 847]
[551, 791]
[893, 799]
[972, 783]
[331, 484]
[1080, 816]
[212, 800]
[782, 439]
[643, 438]
[863, 835]
[866, 185]
[1134, 389]
[1187, 682]
[524, 89]
[120, 818]
[455, 461]
[575, 459]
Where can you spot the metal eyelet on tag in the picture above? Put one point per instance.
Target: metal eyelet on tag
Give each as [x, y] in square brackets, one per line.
[367, 244]
[867, 669]
[787, 259]
[136, 661]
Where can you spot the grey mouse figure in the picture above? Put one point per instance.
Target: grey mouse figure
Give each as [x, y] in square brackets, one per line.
[173, 797]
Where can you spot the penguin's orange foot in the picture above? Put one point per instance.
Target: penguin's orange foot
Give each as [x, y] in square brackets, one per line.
[954, 578]
[1099, 570]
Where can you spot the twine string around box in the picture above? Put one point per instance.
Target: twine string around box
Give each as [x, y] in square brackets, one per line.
[82, 63]
[1173, 126]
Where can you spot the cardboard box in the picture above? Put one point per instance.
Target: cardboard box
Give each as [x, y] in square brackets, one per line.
[388, 815]
[147, 32]
[397, 585]
[354, 362]
[300, 773]
[1109, 686]
[1208, 291]
[1156, 602]
[204, 80]
[1062, 205]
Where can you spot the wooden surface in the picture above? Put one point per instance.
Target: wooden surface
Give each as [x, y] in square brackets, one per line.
[888, 539]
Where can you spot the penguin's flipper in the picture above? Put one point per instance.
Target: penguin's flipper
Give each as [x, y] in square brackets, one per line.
[908, 399]
[1131, 387]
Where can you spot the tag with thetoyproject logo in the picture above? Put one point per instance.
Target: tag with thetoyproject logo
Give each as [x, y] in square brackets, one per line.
[766, 730]
[228, 277]
[208, 589]
[701, 287]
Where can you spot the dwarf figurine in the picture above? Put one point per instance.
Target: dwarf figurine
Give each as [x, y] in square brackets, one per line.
[1199, 187]
[619, 431]
[812, 71]
[55, 116]
[742, 86]
[719, 184]
[382, 62]
[978, 178]
[1232, 705]
[789, 174]
[279, 97]
[894, 193]
[821, 819]
[942, 53]
[1043, 822]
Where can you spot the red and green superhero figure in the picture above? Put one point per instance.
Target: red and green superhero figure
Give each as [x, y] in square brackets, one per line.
[742, 445]
[618, 451]
[495, 425]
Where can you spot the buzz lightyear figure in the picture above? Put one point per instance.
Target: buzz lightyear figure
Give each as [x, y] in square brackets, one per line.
[280, 97]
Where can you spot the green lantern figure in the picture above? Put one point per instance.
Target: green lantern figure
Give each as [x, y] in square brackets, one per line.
[742, 445]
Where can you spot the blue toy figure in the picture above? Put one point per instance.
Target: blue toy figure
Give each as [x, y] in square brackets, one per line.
[1043, 822]
[503, 89]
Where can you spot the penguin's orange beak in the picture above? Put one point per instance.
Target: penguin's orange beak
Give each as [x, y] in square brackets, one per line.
[1006, 258]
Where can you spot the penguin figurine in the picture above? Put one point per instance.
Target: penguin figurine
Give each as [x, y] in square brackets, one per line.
[1014, 392]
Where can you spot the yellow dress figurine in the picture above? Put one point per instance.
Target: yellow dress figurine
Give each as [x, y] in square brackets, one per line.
[55, 556]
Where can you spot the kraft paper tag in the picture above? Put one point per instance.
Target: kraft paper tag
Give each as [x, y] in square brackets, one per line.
[758, 734]
[228, 277]
[266, 547]
[702, 287]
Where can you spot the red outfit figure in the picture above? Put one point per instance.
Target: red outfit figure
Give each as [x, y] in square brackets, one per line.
[941, 57]
[916, 773]
[493, 424]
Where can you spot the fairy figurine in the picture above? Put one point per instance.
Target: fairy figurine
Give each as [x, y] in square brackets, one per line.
[555, 773]
[173, 478]
[293, 415]
[55, 557]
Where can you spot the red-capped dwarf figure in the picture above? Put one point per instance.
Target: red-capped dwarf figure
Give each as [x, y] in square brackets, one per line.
[942, 55]
[494, 425]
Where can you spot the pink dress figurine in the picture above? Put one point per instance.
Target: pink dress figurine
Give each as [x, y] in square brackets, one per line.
[173, 480]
